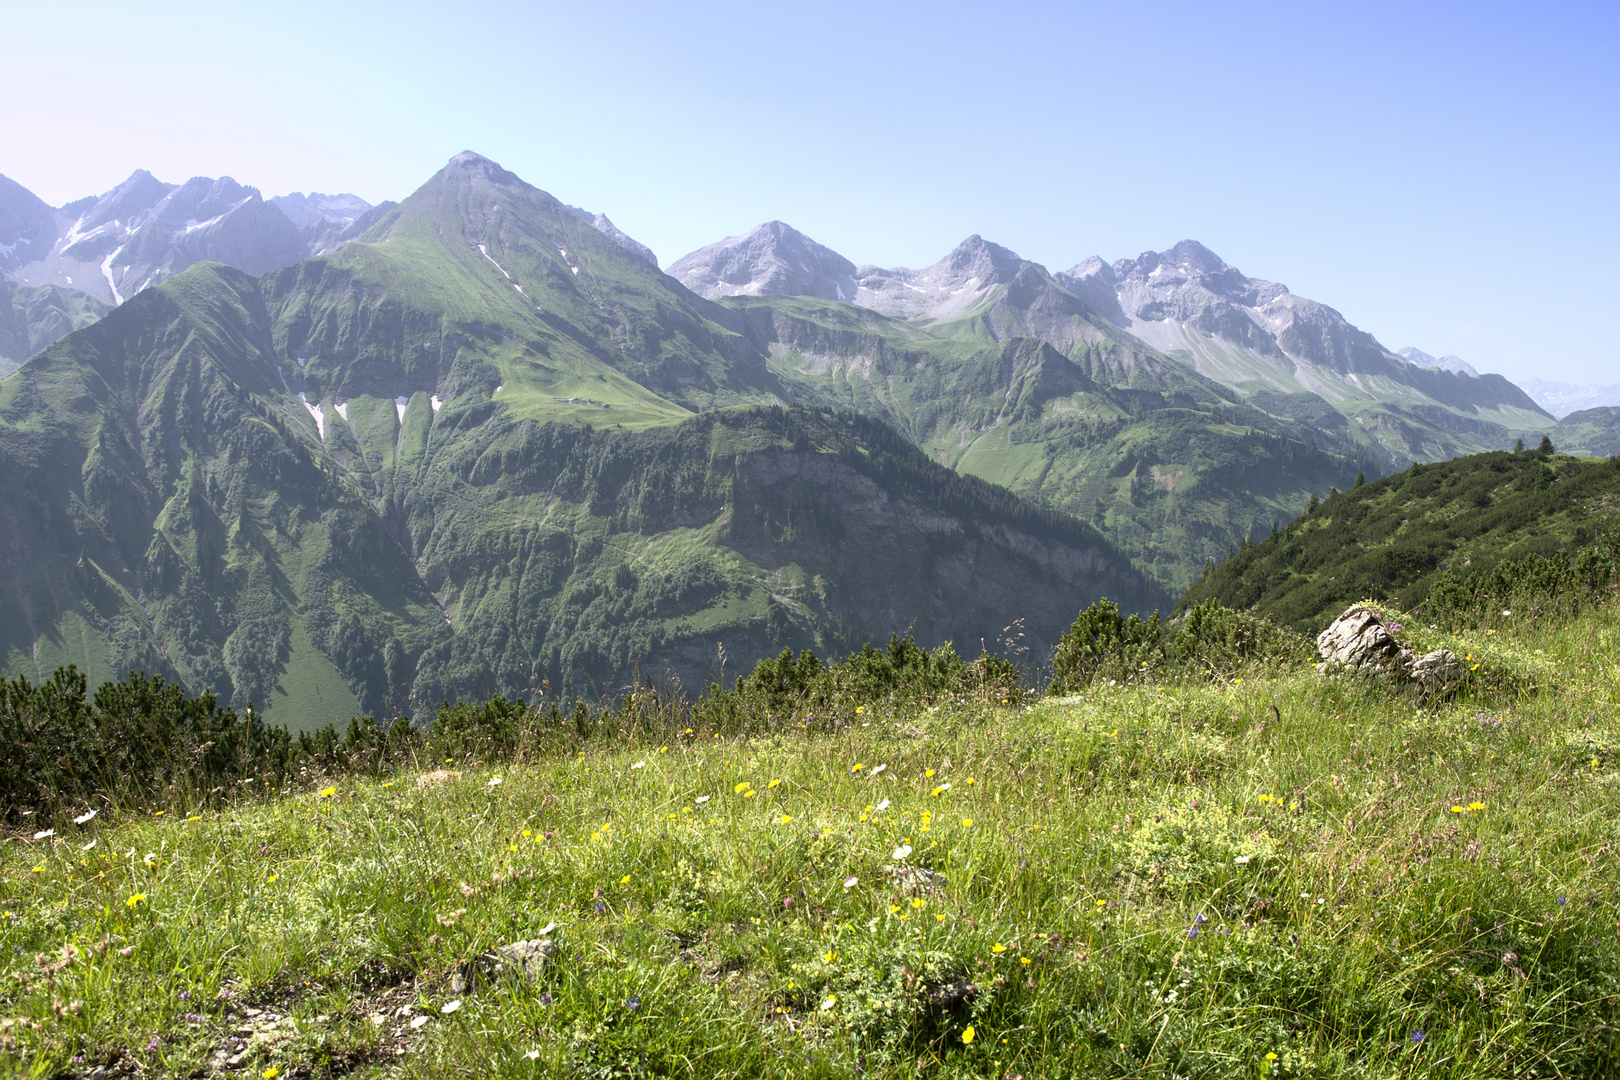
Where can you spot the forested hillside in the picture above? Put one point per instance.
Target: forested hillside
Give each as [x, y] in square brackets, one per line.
[1395, 538]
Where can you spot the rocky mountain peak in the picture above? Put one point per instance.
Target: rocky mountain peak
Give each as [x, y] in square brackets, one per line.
[26, 223]
[1094, 267]
[1442, 363]
[470, 164]
[978, 258]
[125, 201]
[626, 243]
[773, 259]
[1195, 258]
[315, 208]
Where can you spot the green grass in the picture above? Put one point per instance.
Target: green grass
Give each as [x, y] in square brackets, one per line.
[1142, 881]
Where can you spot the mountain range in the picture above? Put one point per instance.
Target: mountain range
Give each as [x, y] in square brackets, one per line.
[1561, 398]
[109, 247]
[484, 447]
[327, 458]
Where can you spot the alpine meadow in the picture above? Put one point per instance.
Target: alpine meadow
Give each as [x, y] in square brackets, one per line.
[437, 640]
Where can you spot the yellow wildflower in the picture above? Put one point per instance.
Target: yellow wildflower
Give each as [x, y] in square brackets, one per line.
[968, 1034]
[135, 901]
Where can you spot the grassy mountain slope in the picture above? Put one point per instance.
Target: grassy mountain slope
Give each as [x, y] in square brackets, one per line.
[479, 281]
[1393, 538]
[334, 537]
[33, 316]
[1590, 432]
[1165, 463]
[165, 512]
[1282, 876]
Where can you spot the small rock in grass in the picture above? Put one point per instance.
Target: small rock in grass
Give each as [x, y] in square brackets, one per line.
[916, 879]
[1437, 672]
[523, 960]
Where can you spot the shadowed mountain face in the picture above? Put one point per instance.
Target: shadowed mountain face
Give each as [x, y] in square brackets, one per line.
[461, 455]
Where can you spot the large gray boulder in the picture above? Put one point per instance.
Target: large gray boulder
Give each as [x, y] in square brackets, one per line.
[1359, 641]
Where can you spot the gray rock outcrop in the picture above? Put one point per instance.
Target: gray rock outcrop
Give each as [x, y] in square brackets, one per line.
[1359, 641]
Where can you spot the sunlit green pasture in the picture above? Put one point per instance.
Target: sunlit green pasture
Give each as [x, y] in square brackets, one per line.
[1276, 875]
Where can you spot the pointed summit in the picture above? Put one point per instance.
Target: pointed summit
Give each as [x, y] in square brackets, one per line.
[474, 164]
[980, 260]
[1194, 257]
[774, 259]
[946, 289]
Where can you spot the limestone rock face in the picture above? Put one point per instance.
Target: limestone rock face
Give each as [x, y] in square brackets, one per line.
[1358, 640]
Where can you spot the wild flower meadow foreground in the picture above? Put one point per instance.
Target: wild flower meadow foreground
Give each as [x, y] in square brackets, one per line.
[1276, 874]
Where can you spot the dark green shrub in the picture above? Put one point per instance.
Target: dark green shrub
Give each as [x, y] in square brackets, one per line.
[1214, 639]
[1103, 644]
[1535, 586]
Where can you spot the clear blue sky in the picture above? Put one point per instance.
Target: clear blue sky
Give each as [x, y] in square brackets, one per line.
[1444, 174]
